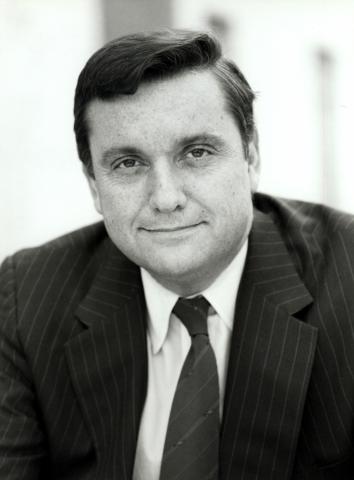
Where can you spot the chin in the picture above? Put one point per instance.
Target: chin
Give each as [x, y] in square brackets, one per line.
[184, 278]
[171, 270]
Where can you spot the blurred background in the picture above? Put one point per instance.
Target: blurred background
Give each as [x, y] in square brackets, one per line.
[297, 55]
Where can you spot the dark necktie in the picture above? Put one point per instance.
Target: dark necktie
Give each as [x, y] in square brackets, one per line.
[191, 450]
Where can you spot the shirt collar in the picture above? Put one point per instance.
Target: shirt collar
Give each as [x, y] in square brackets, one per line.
[221, 295]
[160, 302]
[223, 292]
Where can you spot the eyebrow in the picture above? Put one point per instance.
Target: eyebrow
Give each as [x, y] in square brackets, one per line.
[119, 150]
[202, 138]
[216, 140]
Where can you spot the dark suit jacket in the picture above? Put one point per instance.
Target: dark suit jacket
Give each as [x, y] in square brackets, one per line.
[73, 370]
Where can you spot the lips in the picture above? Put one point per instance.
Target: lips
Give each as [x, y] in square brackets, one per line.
[170, 229]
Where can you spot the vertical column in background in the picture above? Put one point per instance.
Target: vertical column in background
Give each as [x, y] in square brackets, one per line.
[129, 16]
[325, 63]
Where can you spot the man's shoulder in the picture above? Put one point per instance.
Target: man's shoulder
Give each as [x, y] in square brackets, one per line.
[85, 239]
[318, 238]
[85, 243]
[308, 218]
[70, 261]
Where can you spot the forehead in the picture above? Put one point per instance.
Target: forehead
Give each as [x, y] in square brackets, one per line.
[162, 111]
[188, 91]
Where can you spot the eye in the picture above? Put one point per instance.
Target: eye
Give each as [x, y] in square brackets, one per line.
[198, 152]
[126, 163]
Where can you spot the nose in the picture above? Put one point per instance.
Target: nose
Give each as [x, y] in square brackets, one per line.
[166, 188]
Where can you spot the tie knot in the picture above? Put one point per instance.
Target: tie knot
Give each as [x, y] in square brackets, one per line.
[193, 313]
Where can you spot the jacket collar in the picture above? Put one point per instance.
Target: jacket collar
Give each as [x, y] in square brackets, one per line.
[270, 362]
[107, 362]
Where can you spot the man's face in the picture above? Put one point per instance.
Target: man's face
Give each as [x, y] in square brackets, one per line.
[171, 179]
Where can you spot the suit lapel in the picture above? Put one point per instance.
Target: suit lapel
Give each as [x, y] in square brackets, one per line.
[270, 362]
[108, 366]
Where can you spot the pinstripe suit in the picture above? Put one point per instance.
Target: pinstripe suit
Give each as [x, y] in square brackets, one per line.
[73, 370]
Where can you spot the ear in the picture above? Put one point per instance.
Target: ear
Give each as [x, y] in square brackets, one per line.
[93, 189]
[253, 161]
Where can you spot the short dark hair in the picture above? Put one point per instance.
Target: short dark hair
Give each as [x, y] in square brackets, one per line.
[119, 67]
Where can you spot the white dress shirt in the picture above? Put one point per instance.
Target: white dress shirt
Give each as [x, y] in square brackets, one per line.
[168, 343]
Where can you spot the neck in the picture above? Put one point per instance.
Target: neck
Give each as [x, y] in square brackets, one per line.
[186, 286]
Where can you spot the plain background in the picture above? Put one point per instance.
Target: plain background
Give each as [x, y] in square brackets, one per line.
[297, 55]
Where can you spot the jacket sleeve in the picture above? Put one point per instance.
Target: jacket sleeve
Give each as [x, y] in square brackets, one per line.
[22, 442]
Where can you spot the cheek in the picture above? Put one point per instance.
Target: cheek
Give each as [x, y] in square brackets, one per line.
[120, 207]
[231, 189]
[234, 200]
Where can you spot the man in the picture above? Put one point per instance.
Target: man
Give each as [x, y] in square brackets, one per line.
[92, 342]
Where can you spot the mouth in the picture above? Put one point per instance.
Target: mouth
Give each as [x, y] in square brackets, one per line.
[171, 229]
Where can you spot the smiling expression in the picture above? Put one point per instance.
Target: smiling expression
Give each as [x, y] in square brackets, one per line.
[171, 178]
